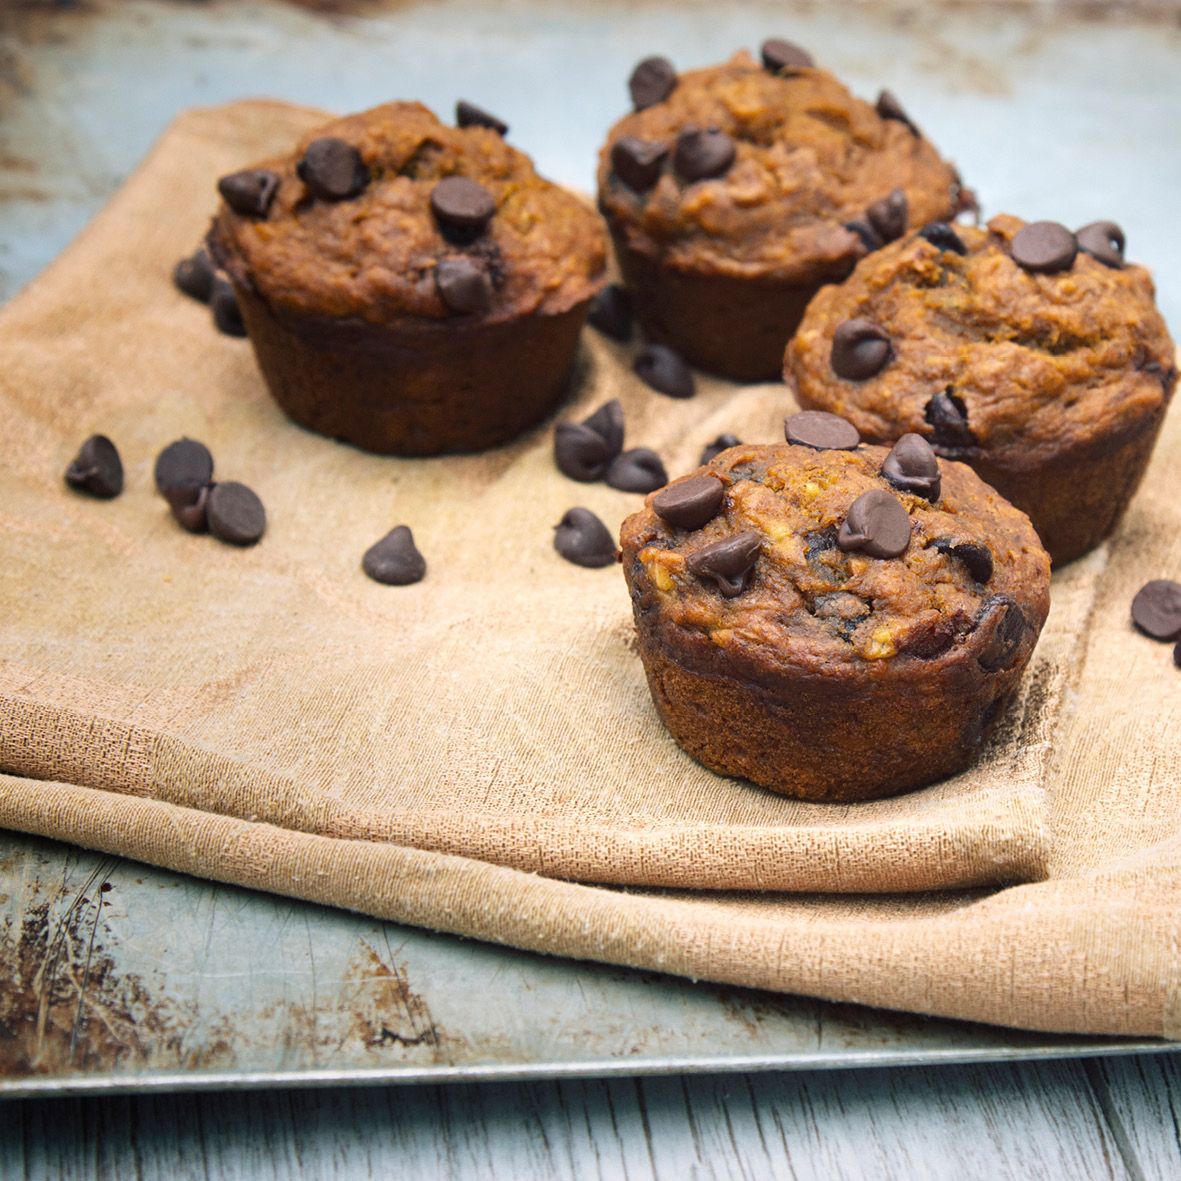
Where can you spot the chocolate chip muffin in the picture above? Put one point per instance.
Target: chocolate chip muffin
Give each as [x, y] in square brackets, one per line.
[409, 287]
[734, 192]
[832, 620]
[1034, 354]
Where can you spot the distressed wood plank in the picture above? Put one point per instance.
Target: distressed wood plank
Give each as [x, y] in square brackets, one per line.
[1141, 1101]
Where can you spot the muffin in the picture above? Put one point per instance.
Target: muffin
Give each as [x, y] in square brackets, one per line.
[733, 193]
[830, 620]
[409, 287]
[1031, 353]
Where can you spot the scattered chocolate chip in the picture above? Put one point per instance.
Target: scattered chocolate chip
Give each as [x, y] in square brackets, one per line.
[463, 285]
[235, 514]
[223, 303]
[1156, 609]
[580, 537]
[637, 162]
[778, 55]
[395, 560]
[868, 235]
[1103, 241]
[607, 422]
[660, 367]
[1002, 624]
[1044, 247]
[977, 558]
[637, 470]
[942, 236]
[580, 452]
[876, 524]
[820, 541]
[889, 216]
[702, 154]
[249, 192]
[97, 469]
[912, 467]
[888, 107]
[717, 446]
[860, 349]
[194, 275]
[189, 504]
[332, 169]
[611, 313]
[469, 115]
[184, 462]
[691, 503]
[462, 204]
[727, 563]
[948, 414]
[819, 429]
[651, 82]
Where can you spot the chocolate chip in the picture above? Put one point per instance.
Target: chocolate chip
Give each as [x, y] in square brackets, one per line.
[1044, 247]
[913, 467]
[819, 429]
[637, 162]
[249, 192]
[235, 514]
[184, 462]
[660, 367]
[728, 563]
[1002, 625]
[778, 55]
[189, 504]
[1103, 241]
[462, 204]
[223, 303]
[948, 414]
[942, 236]
[611, 313]
[580, 452]
[691, 503]
[868, 235]
[194, 276]
[860, 349]
[395, 560]
[820, 541]
[889, 216]
[637, 470]
[720, 444]
[1156, 609]
[97, 469]
[607, 422]
[469, 115]
[876, 524]
[702, 154]
[332, 169]
[888, 107]
[580, 537]
[463, 285]
[977, 558]
[651, 82]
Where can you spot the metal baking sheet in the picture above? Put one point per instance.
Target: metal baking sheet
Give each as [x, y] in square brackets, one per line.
[114, 976]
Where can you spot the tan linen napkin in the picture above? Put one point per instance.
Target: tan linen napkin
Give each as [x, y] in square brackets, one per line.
[272, 718]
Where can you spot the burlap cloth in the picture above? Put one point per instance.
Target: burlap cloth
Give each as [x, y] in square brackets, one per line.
[462, 753]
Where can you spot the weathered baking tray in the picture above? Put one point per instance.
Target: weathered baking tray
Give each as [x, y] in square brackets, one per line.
[114, 976]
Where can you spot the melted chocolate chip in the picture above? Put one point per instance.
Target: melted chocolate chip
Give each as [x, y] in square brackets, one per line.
[660, 367]
[194, 276]
[821, 430]
[637, 470]
[1044, 247]
[702, 154]
[913, 467]
[185, 461]
[651, 82]
[580, 537]
[876, 524]
[1103, 241]
[580, 452]
[189, 504]
[889, 216]
[820, 541]
[250, 192]
[235, 514]
[607, 422]
[691, 503]
[332, 169]
[611, 313]
[395, 559]
[469, 115]
[779, 55]
[462, 204]
[717, 446]
[948, 414]
[860, 349]
[888, 107]
[870, 238]
[637, 162]
[1002, 625]
[942, 236]
[1156, 609]
[97, 469]
[463, 285]
[976, 557]
[223, 303]
[727, 564]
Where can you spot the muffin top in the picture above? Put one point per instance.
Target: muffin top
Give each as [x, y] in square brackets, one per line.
[390, 214]
[786, 577]
[751, 171]
[1010, 342]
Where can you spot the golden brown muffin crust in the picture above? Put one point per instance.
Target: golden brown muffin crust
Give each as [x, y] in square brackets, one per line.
[373, 256]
